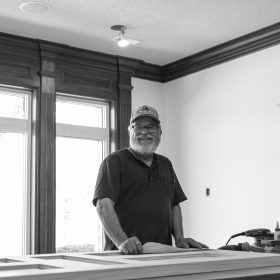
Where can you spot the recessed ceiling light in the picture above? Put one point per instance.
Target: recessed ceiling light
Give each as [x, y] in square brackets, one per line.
[34, 7]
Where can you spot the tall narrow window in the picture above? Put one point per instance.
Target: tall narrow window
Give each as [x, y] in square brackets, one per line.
[15, 190]
[82, 142]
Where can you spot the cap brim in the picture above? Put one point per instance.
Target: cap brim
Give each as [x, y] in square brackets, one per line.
[143, 115]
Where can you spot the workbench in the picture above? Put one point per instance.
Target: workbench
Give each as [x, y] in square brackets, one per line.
[112, 265]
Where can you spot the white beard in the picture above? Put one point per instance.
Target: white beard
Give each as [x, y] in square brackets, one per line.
[143, 149]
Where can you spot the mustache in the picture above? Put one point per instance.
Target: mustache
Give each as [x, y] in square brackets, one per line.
[144, 149]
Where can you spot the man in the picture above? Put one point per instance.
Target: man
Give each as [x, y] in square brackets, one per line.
[137, 193]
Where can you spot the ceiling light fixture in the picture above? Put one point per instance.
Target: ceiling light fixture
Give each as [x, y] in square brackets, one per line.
[122, 40]
[34, 7]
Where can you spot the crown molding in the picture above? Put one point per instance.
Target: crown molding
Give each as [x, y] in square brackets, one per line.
[149, 71]
[244, 45]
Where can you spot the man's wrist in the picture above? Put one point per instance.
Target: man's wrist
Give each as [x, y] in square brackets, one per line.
[121, 240]
[179, 238]
[179, 241]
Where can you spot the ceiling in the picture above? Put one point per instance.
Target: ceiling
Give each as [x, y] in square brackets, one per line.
[170, 29]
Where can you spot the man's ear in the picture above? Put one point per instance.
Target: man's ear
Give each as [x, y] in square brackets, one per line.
[129, 129]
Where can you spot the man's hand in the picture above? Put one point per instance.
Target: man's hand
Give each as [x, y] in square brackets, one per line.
[131, 246]
[189, 243]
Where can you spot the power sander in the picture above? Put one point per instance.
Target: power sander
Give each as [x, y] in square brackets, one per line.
[264, 241]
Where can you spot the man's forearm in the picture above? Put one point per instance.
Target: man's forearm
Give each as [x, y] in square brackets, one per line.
[177, 224]
[110, 221]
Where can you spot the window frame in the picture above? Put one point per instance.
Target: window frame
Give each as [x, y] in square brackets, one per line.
[46, 68]
[16, 125]
[87, 132]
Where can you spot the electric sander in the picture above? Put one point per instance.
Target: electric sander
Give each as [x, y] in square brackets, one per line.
[264, 241]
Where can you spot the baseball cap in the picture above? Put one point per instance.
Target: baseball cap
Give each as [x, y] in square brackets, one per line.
[144, 111]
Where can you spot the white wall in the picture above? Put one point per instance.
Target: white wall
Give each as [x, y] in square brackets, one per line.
[222, 131]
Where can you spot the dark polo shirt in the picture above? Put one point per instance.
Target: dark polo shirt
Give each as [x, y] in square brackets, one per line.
[143, 196]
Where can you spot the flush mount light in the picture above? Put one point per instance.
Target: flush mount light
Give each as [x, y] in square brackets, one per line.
[122, 40]
[34, 7]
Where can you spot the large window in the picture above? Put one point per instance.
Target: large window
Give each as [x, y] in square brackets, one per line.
[82, 142]
[15, 163]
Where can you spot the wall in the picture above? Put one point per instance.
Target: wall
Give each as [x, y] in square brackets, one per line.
[222, 131]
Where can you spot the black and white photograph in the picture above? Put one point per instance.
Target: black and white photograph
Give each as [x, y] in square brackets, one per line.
[140, 139]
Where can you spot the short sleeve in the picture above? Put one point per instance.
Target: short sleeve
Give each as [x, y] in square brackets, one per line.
[108, 180]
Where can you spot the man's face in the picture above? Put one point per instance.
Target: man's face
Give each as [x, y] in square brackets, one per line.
[144, 135]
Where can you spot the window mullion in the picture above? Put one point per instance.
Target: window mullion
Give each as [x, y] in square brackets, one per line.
[94, 133]
[14, 125]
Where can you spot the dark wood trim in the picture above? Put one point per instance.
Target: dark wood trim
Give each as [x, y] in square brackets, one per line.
[227, 51]
[17, 45]
[19, 61]
[241, 46]
[124, 117]
[86, 58]
[46, 157]
[125, 69]
[148, 71]
[87, 81]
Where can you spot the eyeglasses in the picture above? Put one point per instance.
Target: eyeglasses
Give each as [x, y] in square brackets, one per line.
[149, 128]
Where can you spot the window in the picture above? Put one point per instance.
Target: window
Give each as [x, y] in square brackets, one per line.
[81, 144]
[15, 166]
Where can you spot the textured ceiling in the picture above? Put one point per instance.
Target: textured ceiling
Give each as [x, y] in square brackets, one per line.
[170, 29]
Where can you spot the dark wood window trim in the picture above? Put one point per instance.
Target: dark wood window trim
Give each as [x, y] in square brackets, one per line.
[47, 68]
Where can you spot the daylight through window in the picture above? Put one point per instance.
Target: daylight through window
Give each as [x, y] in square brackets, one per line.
[15, 191]
[82, 142]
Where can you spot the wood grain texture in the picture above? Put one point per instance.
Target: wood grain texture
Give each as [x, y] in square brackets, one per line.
[158, 248]
[124, 109]
[48, 68]
[46, 139]
[200, 265]
[149, 71]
